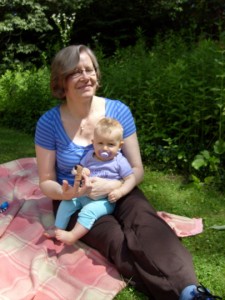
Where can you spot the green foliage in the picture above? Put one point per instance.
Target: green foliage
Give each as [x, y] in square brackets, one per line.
[175, 91]
[65, 26]
[23, 15]
[24, 96]
[172, 7]
[210, 166]
[20, 20]
[28, 33]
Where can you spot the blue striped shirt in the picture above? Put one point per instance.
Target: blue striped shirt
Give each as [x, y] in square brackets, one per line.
[50, 134]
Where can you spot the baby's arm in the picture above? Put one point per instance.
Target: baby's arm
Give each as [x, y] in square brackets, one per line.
[128, 184]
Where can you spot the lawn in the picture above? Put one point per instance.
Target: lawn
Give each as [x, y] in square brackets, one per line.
[166, 192]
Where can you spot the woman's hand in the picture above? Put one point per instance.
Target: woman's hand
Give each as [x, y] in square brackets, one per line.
[100, 188]
[77, 190]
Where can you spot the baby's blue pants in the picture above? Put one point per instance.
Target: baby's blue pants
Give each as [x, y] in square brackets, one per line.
[90, 211]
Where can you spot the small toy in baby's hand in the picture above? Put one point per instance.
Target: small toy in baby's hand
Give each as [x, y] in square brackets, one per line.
[77, 170]
[4, 206]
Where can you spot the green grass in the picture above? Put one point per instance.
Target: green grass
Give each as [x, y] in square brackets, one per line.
[14, 145]
[169, 193]
[166, 192]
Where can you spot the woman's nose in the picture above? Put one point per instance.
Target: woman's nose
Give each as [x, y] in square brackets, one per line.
[84, 75]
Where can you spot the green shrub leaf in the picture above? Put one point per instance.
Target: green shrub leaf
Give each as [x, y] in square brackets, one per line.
[219, 147]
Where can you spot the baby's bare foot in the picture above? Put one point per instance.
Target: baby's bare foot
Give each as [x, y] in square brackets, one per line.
[64, 236]
[50, 233]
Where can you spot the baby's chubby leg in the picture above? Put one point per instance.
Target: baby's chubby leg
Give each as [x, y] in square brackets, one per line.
[65, 211]
[90, 212]
[85, 222]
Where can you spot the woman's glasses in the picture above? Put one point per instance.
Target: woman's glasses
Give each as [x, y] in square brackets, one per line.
[83, 72]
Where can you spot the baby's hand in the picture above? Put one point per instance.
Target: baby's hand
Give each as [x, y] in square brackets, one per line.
[114, 196]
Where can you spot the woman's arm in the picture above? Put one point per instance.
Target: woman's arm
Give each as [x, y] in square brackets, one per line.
[131, 151]
[101, 187]
[47, 178]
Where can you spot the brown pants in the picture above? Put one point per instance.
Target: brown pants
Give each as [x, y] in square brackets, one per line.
[143, 248]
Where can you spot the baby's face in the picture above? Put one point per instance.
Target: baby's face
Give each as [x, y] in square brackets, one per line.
[106, 146]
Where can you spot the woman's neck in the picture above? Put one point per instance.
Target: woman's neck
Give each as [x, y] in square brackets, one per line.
[79, 110]
[79, 120]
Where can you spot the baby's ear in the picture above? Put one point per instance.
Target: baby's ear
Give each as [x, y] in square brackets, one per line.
[121, 143]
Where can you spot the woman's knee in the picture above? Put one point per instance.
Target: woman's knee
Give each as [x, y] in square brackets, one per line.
[132, 208]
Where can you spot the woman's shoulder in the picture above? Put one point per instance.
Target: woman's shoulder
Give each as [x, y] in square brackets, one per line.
[121, 112]
[116, 108]
[111, 102]
[50, 114]
[52, 111]
[114, 102]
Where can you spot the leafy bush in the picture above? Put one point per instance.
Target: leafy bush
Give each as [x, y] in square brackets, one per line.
[176, 93]
[24, 96]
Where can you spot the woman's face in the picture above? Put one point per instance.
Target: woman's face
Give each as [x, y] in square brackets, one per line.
[83, 82]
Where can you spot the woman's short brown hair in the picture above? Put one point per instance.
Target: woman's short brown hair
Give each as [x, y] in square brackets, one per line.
[64, 64]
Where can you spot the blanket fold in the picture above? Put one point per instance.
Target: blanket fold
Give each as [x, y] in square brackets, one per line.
[183, 226]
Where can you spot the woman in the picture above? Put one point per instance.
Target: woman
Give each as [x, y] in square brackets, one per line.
[142, 246]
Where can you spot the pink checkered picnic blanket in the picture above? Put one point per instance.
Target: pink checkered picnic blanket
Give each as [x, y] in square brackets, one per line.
[33, 267]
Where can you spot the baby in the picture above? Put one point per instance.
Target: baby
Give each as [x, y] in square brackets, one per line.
[105, 161]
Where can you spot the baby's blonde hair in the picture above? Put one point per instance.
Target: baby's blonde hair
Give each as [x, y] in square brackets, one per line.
[109, 125]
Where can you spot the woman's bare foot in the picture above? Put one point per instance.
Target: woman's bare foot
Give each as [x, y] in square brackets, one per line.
[50, 233]
[67, 237]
